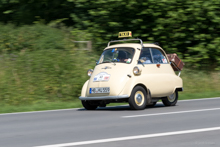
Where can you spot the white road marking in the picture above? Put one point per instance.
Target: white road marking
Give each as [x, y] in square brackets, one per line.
[81, 108]
[132, 137]
[37, 111]
[167, 113]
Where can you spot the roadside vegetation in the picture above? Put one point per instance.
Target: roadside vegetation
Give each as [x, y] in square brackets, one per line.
[39, 92]
[47, 71]
[42, 68]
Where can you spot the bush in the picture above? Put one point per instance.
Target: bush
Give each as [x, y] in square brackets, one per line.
[188, 28]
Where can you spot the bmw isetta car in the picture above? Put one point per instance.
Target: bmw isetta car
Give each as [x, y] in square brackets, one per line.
[137, 73]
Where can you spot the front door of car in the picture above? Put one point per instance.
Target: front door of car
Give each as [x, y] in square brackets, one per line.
[156, 72]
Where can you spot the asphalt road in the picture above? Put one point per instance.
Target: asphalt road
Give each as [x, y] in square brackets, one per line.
[190, 123]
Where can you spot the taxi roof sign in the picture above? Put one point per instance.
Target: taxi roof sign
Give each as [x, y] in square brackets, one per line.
[125, 34]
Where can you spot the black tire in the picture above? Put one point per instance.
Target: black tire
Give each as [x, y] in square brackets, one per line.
[102, 105]
[138, 98]
[87, 105]
[151, 105]
[170, 100]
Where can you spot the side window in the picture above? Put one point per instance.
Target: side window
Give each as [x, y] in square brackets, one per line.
[145, 56]
[158, 56]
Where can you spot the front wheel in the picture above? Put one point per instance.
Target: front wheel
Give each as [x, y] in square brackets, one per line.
[89, 106]
[170, 100]
[138, 98]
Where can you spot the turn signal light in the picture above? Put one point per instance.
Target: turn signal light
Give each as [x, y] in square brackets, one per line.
[89, 72]
[158, 65]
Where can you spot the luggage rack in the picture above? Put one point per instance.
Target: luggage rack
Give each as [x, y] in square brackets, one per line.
[176, 68]
[126, 40]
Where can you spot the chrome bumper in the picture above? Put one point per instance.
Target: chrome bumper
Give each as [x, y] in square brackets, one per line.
[104, 97]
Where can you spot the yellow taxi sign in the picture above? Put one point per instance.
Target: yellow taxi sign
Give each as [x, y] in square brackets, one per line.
[124, 34]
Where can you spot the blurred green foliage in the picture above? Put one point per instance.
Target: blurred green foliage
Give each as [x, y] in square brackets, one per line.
[41, 63]
[188, 28]
[33, 37]
[35, 68]
[39, 60]
[22, 12]
[195, 81]
[28, 77]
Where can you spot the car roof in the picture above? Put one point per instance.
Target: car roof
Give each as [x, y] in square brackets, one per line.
[134, 45]
[151, 45]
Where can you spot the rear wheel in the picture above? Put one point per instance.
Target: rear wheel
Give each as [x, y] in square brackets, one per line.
[170, 100]
[88, 105]
[138, 98]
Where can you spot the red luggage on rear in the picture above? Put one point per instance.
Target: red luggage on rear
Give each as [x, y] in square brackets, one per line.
[176, 62]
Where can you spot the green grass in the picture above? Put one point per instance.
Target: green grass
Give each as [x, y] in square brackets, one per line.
[50, 75]
[44, 105]
[184, 96]
[52, 79]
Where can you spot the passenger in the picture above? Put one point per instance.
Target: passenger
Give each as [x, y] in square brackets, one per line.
[145, 60]
[145, 57]
[157, 58]
[122, 56]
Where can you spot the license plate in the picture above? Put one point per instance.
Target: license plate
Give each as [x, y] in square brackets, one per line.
[99, 90]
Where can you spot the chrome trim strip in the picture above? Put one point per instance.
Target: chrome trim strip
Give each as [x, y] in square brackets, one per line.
[104, 97]
[179, 73]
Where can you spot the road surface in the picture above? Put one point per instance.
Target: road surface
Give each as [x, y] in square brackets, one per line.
[190, 123]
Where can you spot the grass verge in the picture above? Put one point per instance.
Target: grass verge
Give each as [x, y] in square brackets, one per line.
[44, 105]
[40, 69]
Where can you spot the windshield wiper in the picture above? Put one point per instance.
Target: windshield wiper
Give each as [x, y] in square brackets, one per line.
[113, 61]
[109, 62]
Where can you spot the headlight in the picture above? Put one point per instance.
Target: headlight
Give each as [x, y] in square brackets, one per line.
[89, 72]
[136, 70]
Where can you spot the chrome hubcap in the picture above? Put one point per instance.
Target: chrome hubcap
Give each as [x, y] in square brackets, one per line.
[172, 97]
[139, 98]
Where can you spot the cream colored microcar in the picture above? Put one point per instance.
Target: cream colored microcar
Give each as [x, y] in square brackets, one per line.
[137, 73]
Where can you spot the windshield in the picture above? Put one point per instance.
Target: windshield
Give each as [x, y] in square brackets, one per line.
[121, 55]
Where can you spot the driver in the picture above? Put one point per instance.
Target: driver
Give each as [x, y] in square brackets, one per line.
[145, 57]
[122, 56]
